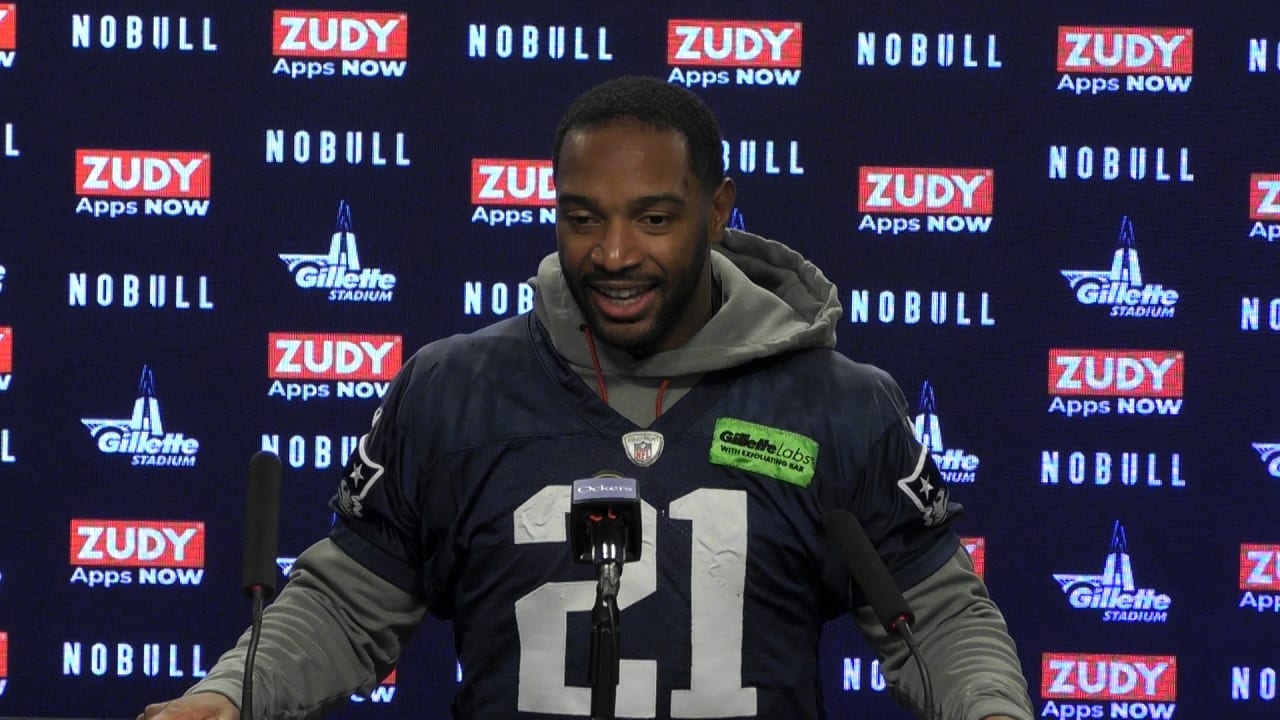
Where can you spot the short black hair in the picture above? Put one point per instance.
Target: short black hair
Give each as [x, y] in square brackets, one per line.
[655, 103]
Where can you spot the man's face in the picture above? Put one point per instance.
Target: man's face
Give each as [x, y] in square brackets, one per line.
[634, 227]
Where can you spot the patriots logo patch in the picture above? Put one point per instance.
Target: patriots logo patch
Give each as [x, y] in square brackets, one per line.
[361, 477]
[926, 490]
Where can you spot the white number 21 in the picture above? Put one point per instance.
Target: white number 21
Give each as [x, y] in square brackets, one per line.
[717, 584]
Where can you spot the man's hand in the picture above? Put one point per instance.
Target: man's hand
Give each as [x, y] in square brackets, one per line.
[200, 706]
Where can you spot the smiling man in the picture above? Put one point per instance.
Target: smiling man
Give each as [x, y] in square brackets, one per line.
[700, 361]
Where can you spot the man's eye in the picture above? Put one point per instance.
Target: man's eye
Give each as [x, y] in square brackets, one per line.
[655, 220]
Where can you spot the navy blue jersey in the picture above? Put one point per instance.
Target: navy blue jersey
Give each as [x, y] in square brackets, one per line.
[460, 492]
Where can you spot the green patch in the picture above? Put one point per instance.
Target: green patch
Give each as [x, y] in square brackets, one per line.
[779, 454]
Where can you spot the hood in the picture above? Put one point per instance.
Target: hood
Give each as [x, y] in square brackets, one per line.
[773, 301]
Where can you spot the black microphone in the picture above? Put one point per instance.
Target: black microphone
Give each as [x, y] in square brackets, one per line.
[604, 529]
[868, 570]
[872, 575]
[599, 508]
[261, 530]
[261, 524]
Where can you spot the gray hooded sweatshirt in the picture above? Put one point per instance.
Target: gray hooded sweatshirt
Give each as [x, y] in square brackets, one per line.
[337, 627]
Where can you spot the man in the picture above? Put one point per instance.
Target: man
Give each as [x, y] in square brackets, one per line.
[700, 361]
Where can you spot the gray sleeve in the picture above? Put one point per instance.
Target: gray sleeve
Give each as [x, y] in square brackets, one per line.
[335, 628]
[964, 643]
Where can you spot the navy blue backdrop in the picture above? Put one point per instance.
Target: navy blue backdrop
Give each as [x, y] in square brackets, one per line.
[1059, 227]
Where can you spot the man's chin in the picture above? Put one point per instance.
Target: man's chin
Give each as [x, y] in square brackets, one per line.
[633, 338]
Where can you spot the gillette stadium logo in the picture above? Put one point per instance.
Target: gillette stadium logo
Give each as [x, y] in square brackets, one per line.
[168, 183]
[142, 435]
[951, 200]
[362, 366]
[1094, 685]
[955, 465]
[512, 192]
[1091, 382]
[327, 43]
[1121, 287]
[107, 553]
[1260, 577]
[339, 272]
[1094, 60]
[1270, 454]
[8, 39]
[1264, 206]
[706, 53]
[1114, 592]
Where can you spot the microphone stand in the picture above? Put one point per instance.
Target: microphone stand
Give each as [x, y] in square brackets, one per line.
[608, 542]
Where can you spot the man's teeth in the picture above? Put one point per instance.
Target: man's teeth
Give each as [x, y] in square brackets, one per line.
[620, 294]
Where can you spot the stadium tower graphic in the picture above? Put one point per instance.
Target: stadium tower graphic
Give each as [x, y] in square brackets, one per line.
[146, 412]
[143, 434]
[1115, 591]
[954, 464]
[1125, 268]
[928, 433]
[342, 248]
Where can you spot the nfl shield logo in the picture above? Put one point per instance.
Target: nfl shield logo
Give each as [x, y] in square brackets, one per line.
[643, 447]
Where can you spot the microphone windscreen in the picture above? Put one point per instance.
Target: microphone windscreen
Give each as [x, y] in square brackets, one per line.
[261, 524]
[867, 568]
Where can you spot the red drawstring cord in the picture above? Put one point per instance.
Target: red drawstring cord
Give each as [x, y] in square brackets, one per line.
[661, 389]
[595, 363]
[604, 393]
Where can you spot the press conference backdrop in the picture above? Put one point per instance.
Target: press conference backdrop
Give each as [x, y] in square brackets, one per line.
[226, 224]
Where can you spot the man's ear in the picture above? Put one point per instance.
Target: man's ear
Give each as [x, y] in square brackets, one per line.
[722, 201]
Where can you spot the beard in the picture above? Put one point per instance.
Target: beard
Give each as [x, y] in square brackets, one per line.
[645, 336]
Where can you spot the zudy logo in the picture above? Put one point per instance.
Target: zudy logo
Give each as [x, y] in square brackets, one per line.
[325, 43]
[106, 553]
[168, 182]
[741, 52]
[1260, 577]
[1077, 685]
[951, 200]
[1264, 206]
[8, 34]
[361, 365]
[511, 192]
[6, 358]
[1150, 59]
[1085, 382]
